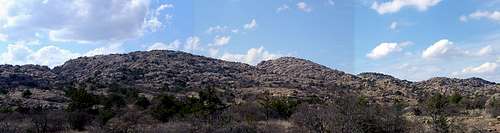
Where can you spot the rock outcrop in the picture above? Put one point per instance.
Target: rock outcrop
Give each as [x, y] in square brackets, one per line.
[161, 71]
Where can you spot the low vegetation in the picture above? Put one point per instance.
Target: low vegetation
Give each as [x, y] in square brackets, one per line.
[204, 111]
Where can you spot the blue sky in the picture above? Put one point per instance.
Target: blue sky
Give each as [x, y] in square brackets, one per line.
[410, 39]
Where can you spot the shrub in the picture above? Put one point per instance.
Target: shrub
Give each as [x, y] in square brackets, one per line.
[400, 105]
[12, 122]
[6, 110]
[210, 97]
[165, 107]
[455, 98]
[237, 128]
[81, 100]
[248, 112]
[437, 104]
[27, 93]
[104, 116]
[474, 103]
[349, 114]
[77, 120]
[436, 107]
[3, 91]
[142, 102]
[279, 107]
[113, 100]
[130, 94]
[207, 103]
[493, 107]
[44, 121]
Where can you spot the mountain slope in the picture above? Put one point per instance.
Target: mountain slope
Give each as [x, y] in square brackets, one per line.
[163, 71]
[304, 69]
[157, 70]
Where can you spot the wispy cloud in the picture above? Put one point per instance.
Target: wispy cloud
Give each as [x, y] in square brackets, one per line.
[490, 15]
[250, 26]
[282, 8]
[303, 6]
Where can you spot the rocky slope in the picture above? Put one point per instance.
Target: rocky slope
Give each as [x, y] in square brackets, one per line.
[25, 76]
[157, 72]
[470, 86]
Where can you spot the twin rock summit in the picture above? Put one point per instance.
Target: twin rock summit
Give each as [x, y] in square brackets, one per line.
[178, 73]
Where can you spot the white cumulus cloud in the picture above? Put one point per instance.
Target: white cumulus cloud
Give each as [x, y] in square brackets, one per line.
[16, 54]
[80, 20]
[445, 49]
[213, 52]
[52, 56]
[442, 48]
[192, 44]
[19, 54]
[394, 6]
[384, 49]
[221, 40]
[162, 46]
[111, 48]
[487, 67]
[253, 56]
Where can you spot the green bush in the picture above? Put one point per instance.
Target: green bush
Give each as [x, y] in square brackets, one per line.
[279, 107]
[81, 100]
[27, 93]
[130, 94]
[6, 110]
[104, 116]
[455, 98]
[3, 91]
[209, 101]
[436, 107]
[165, 107]
[437, 104]
[142, 102]
[113, 100]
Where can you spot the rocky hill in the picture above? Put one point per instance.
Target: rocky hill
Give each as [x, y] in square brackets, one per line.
[156, 72]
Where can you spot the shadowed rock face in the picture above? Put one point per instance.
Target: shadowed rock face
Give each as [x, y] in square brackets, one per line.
[158, 71]
[27, 75]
